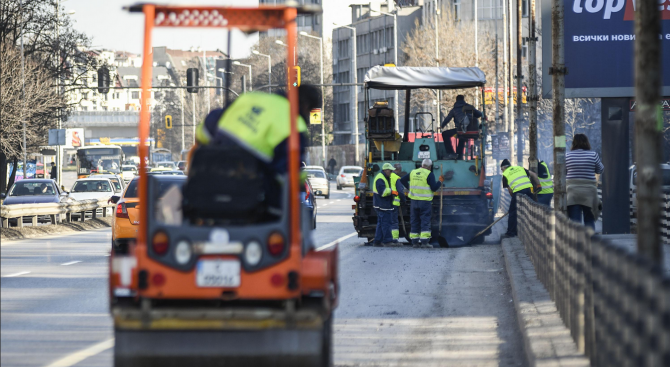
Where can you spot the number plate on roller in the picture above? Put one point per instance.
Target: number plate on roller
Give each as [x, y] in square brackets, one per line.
[424, 155]
[218, 273]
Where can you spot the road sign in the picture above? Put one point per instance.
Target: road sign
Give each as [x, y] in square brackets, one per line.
[315, 116]
[56, 136]
[168, 121]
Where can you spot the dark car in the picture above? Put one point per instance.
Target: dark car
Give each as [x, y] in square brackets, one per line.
[309, 200]
[34, 191]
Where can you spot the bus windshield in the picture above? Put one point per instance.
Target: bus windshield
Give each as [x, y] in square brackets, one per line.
[99, 160]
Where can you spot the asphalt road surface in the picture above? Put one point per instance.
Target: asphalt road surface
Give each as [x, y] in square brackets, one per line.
[398, 306]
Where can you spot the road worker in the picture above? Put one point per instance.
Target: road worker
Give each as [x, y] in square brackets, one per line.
[382, 201]
[422, 184]
[517, 180]
[546, 192]
[397, 192]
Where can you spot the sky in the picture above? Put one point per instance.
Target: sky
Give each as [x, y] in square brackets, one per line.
[110, 27]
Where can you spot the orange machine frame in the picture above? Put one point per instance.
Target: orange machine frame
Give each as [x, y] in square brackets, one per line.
[245, 19]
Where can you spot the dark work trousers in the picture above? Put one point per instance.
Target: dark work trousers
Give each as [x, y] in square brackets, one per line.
[420, 215]
[446, 136]
[511, 222]
[383, 232]
[575, 214]
[395, 226]
[545, 199]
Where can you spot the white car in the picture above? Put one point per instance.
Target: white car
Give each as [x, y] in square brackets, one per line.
[128, 172]
[166, 164]
[92, 188]
[318, 179]
[118, 184]
[346, 176]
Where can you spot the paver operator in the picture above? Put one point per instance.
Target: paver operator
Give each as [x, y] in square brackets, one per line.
[397, 192]
[422, 184]
[382, 201]
[517, 180]
[462, 114]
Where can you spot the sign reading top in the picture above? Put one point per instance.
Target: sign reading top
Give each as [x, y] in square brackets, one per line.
[599, 47]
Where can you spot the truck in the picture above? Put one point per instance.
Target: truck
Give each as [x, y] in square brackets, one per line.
[214, 278]
[464, 204]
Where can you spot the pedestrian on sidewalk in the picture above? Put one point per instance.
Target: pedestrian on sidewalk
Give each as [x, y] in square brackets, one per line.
[382, 201]
[397, 191]
[581, 165]
[547, 191]
[517, 180]
[54, 171]
[422, 184]
[331, 165]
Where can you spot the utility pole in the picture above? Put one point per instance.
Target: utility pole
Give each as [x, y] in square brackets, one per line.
[648, 128]
[557, 72]
[532, 91]
[504, 71]
[23, 98]
[519, 94]
[354, 73]
[510, 76]
[476, 52]
[193, 99]
[183, 145]
[437, 60]
[497, 85]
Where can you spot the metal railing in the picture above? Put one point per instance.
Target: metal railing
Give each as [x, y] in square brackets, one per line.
[52, 210]
[615, 303]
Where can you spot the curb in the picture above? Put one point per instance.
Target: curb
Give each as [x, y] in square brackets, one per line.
[546, 340]
[17, 234]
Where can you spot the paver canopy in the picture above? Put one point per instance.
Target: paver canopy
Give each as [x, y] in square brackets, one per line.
[410, 77]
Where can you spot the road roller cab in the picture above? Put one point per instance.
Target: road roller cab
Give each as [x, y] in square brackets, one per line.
[217, 277]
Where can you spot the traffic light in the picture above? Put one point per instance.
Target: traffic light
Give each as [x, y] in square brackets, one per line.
[294, 76]
[192, 76]
[168, 122]
[103, 80]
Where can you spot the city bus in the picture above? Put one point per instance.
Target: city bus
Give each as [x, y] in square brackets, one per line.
[99, 159]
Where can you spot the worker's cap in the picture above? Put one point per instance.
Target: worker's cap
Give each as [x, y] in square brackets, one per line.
[426, 163]
[504, 163]
[388, 166]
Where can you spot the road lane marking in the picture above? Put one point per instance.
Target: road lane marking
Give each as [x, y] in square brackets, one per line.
[341, 239]
[70, 263]
[332, 202]
[16, 274]
[339, 200]
[79, 356]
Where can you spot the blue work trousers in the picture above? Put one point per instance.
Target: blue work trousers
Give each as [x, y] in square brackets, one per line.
[383, 232]
[395, 223]
[545, 199]
[420, 214]
[575, 214]
[511, 222]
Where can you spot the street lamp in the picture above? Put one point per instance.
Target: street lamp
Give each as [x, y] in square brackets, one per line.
[255, 52]
[395, 59]
[280, 42]
[355, 77]
[323, 128]
[249, 66]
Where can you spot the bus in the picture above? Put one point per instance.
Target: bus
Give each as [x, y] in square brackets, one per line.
[99, 159]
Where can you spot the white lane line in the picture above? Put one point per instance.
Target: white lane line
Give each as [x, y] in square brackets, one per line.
[332, 202]
[16, 274]
[70, 263]
[339, 200]
[79, 356]
[341, 239]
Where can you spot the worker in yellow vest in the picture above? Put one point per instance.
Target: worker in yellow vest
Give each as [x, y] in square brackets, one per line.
[546, 192]
[397, 192]
[422, 184]
[517, 180]
[382, 201]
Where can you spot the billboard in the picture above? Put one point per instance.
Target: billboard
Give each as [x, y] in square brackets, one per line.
[500, 146]
[599, 47]
[74, 138]
[490, 97]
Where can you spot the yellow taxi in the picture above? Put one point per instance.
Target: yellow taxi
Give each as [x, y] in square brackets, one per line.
[127, 213]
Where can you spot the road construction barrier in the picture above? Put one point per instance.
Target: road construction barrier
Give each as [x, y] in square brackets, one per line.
[615, 303]
[54, 211]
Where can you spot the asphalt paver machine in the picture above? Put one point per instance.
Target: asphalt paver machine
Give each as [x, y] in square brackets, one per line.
[464, 205]
[211, 279]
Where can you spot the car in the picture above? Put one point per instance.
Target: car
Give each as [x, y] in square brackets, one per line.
[309, 200]
[118, 184]
[127, 215]
[174, 173]
[128, 171]
[346, 176]
[319, 180]
[181, 165]
[632, 181]
[34, 191]
[91, 188]
[160, 169]
[166, 164]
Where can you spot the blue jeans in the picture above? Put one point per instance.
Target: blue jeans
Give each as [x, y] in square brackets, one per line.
[420, 215]
[545, 199]
[383, 232]
[575, 214]
[512, 222]
[395, 226]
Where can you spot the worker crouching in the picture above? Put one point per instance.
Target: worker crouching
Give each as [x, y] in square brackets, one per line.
[517, 180]
[382, 201]
[422, 184]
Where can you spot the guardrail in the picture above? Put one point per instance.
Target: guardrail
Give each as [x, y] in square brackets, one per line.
[66, 209]
[615, 303]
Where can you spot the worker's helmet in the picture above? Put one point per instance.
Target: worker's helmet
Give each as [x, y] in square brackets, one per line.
[388, 166]
[426, 163]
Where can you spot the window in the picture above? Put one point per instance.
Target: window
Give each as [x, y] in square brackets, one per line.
[524, 8]
[489, 9]
[135, 95]
[343, 49]
[84, 95]
[389, 37]
[104, 108]
[457, 9]
[524, 49]
[361, 74]
[95, 107]
[84, 108]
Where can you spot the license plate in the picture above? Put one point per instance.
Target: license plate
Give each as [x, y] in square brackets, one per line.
[218, 273]
[424, 155]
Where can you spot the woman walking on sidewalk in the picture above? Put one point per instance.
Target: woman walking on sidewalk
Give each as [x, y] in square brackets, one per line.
[581, 165]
